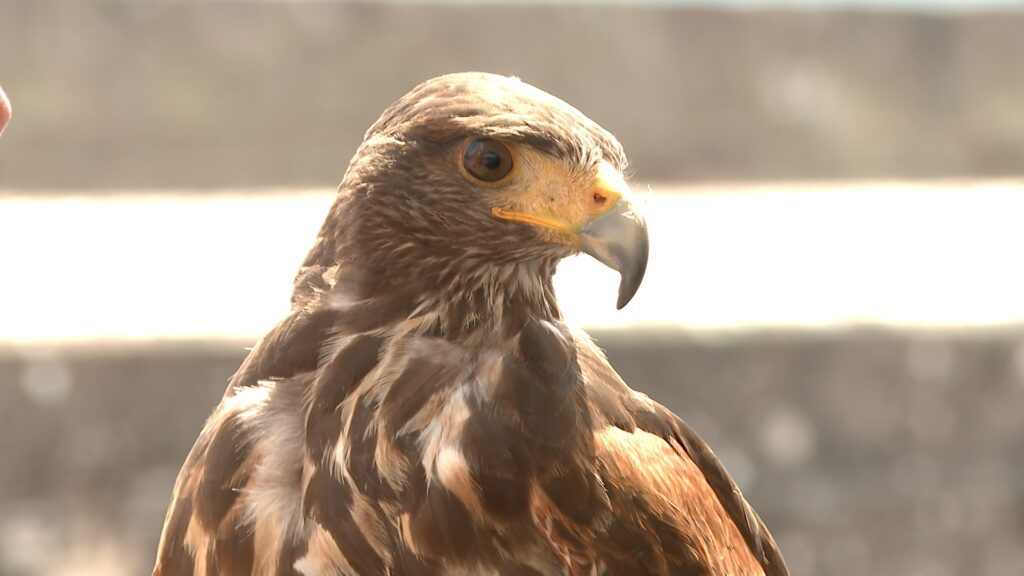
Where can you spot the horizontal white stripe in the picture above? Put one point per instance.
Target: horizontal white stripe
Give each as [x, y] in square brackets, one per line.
[164, 265]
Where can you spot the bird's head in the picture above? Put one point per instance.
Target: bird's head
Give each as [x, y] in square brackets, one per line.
[479, 169]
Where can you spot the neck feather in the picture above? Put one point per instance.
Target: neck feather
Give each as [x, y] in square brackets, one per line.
[458, 302]
[379, 276]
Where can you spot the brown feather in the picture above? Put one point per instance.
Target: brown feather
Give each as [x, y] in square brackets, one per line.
[667, 518]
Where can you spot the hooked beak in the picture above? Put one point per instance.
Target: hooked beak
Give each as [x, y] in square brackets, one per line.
[600, 220]
[618, 239]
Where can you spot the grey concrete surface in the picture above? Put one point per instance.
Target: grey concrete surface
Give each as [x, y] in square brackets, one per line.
[867, 452]
[118, 94]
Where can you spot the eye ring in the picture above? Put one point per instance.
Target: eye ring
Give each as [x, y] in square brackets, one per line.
[487, 159]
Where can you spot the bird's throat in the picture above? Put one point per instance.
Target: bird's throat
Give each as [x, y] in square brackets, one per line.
[459, 303]
[495, 301]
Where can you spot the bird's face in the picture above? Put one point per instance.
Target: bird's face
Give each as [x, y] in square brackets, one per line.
[567, 207]
[495, 170]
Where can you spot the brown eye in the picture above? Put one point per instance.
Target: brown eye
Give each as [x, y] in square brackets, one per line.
[487, 160]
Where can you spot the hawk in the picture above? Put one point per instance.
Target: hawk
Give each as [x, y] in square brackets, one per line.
[424, 409]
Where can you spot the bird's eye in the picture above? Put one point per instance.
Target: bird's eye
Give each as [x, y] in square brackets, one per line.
[487, 159]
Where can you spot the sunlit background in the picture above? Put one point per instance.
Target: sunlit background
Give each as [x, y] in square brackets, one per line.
[835, 297]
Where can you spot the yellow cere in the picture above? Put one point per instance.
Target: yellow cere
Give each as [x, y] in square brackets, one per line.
[547, 194]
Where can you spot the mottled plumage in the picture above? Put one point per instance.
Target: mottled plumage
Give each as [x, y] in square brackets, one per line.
[424, 409]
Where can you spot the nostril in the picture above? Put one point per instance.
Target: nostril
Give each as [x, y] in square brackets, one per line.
[600, 199]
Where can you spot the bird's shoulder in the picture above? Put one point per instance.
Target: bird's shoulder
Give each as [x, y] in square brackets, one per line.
[675, 505]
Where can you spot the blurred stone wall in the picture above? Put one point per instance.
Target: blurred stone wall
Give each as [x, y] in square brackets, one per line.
[114, 94]
[866, 452]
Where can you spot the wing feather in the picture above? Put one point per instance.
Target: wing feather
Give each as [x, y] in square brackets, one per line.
[205, 531]
[667, 487]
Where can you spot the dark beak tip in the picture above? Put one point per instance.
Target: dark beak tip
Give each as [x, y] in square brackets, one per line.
[629, 284]
[618, 239]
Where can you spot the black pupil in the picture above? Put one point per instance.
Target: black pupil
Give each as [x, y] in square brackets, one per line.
[491, 160]
[487, 160]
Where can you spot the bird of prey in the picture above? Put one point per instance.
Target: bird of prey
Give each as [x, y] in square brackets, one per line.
[424, 409]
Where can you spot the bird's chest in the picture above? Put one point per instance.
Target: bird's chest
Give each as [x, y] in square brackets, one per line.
[465, 455]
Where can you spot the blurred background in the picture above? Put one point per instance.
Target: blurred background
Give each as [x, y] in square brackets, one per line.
[834, 300]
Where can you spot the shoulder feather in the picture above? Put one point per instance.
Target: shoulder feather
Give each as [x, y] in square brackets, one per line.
[681, 461]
